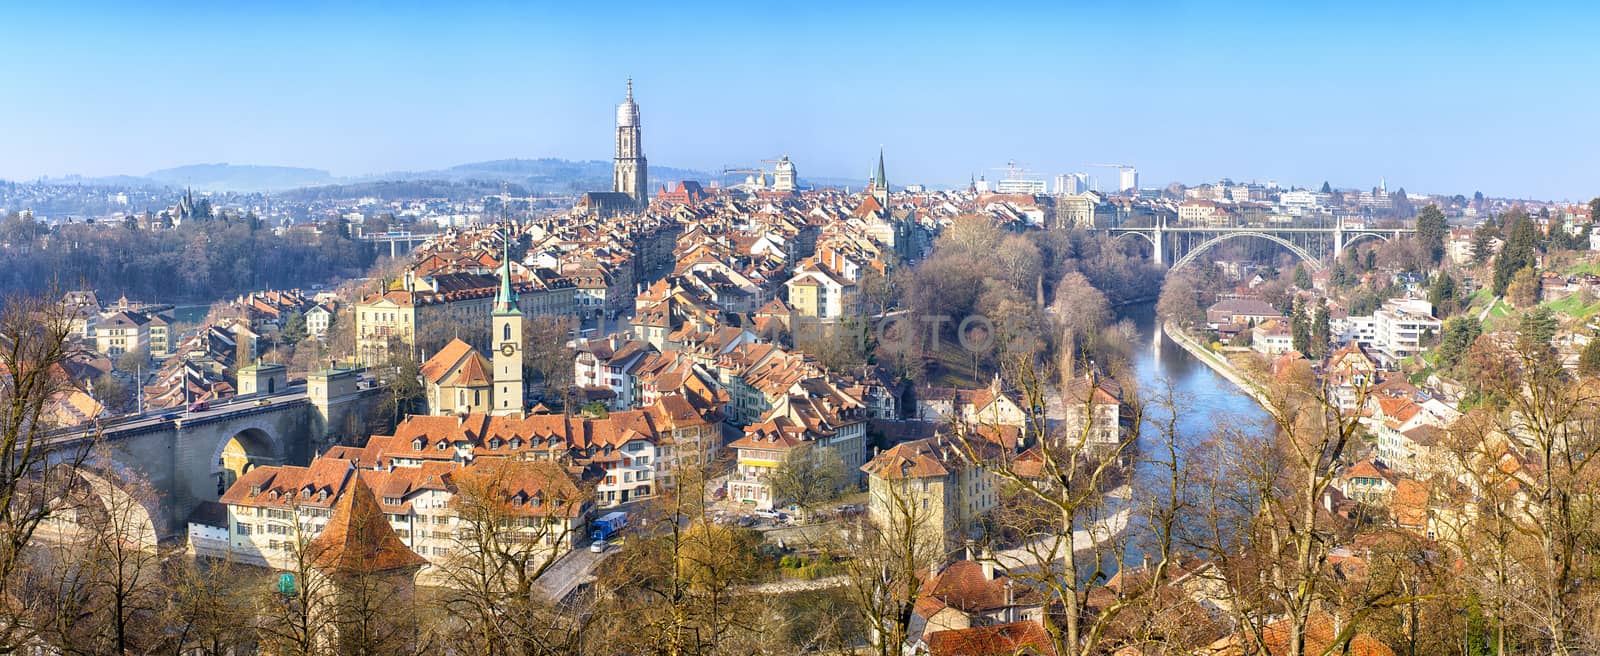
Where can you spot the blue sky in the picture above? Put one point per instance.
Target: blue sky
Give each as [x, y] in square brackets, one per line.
[1434, 97]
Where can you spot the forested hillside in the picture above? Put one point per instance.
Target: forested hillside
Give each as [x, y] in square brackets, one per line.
[197, 262]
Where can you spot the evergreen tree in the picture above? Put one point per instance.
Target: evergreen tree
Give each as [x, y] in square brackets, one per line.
[294, 328]
[1321, 332]
[1301, 278]
[1326, 188]
[1522, 239]
[1536, 332]
[1458, 335]
[1300, 327]
[1431, 231]
[1443, 294]
[1483, 241]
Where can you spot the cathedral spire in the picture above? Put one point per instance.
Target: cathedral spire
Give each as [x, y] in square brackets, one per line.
[506, 301]
[879, 178]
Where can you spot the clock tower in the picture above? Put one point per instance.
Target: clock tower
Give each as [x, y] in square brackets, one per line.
[509, 393]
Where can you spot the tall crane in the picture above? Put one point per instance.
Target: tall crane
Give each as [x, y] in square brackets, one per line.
[1012, 169]
[1122, 167]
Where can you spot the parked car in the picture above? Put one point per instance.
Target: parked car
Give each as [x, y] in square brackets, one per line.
[171, 415]
[720, 493]
[199, 406]
[768, 514]
[598, 546]
[261, 402]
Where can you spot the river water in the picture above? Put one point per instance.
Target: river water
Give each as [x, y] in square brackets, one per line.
[1205, 399]
[1205, 403]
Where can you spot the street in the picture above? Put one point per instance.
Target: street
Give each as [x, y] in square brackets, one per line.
[572, 569]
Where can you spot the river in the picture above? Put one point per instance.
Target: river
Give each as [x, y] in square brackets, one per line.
[1205, 402]
[1205, 398]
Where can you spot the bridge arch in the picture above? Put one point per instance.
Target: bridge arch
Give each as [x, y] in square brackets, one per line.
[1352, 240]
[242, 451]
[1135, 233]
[102, 499]
[1207, 245]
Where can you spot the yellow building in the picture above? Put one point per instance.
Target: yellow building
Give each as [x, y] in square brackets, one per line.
[457, 380]
[928, 483]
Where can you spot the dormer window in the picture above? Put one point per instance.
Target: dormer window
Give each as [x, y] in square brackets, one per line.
[322, 496]
[443, 446]
[416, 444]
[255, 489]
[516, 442]
[494, 443]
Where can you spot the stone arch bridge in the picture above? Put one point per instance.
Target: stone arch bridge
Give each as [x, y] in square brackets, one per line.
[190, 457]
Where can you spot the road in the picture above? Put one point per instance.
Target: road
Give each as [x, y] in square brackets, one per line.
[572, 569]
[1082, 540]
[156, 418]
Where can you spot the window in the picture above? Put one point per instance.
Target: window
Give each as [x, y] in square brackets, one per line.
[242, 529]
[506, 332]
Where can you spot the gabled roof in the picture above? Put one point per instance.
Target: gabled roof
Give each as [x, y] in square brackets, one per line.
[358, 539]
[442, 362]
[473, 373]
[1025, 638]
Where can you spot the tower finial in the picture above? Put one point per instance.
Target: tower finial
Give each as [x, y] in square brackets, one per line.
[630, 87]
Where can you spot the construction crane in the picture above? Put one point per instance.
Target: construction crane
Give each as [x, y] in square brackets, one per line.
[1012, 169]
[1123, 167]
[747, 172]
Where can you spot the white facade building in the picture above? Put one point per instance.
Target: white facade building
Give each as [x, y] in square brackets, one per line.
[1128, 180]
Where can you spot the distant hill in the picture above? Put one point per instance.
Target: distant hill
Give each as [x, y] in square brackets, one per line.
[545, 175]
[241, 177]
[537, 176]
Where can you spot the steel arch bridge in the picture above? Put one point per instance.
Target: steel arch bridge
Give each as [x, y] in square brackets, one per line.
[1197, 251]
[1182, 245]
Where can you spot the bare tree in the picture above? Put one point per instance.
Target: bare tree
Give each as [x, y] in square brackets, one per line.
[809, 475]
[1061, 501]
[34, 344]
[208, 612]
[105, 589]
[292, 610]
[1268, 527]
[888, 554]
[680, 580]
[1531, 480]
[506, 539]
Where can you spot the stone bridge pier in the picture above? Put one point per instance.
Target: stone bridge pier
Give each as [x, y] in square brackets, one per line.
[191, 460]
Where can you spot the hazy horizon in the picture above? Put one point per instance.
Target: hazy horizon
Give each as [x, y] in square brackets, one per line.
[1438, 99]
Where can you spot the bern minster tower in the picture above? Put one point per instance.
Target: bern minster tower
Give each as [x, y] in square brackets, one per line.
[630, 174]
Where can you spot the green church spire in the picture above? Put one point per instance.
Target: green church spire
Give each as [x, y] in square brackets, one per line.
[880, 179]
[506, 301]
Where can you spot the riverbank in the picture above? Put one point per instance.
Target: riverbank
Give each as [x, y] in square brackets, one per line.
[1216, 361]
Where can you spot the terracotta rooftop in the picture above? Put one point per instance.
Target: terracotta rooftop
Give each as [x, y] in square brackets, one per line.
[358, 539]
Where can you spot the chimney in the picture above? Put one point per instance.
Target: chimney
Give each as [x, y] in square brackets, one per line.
[987, 562]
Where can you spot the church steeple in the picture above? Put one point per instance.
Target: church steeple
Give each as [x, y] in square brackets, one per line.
[506, 324]
[880, 183]
[630, 172]
[505, 302]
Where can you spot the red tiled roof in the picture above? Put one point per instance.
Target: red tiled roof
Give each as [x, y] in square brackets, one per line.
[1013, 639]
[358, 539]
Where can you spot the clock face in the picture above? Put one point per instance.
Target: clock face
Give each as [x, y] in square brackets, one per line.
[508, 349]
